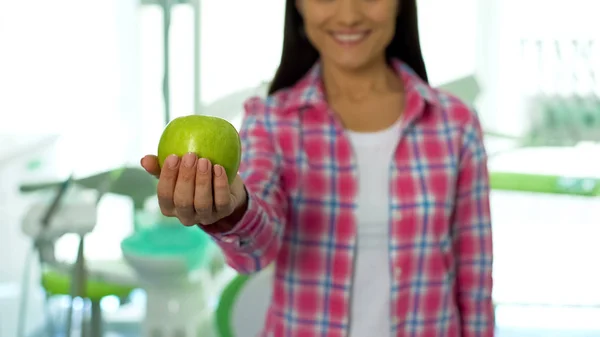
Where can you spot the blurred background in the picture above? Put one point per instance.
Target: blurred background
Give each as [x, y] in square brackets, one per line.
[87, 86]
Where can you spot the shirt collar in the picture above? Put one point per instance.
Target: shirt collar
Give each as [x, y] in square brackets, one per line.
[309, 91]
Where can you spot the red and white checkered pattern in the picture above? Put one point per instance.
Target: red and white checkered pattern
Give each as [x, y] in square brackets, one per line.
[299, 169]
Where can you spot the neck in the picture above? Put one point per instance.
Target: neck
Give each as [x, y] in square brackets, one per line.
[359, 83]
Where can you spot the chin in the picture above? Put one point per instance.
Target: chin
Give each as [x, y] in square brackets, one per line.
[354, 63]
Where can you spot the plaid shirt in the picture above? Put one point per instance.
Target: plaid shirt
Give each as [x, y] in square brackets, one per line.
[301, 176]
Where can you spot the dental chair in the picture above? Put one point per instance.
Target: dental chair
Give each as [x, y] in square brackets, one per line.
[243, 305]
[176, 267]
[74, 210]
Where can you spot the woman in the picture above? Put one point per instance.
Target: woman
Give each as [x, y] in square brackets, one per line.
[367, 188]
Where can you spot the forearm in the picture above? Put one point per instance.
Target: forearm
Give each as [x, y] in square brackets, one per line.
[254, 236]
[474, 288]
[250, 238]
[472, 233]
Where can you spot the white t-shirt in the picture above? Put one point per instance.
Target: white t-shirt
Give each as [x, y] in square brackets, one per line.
[370, 312]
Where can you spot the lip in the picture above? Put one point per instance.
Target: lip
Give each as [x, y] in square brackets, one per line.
[350, 37]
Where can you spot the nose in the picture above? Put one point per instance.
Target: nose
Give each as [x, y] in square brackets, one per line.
[349, 12]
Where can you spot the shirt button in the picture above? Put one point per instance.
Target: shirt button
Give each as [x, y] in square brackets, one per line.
[229, 239]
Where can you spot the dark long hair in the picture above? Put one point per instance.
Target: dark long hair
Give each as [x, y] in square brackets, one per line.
[299, 55]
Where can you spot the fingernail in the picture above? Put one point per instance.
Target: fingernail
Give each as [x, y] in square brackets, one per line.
[172, 161]
[189, 160]
[219, 170]
[203, 165]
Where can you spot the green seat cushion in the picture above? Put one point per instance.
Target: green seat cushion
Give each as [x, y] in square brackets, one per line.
[57, 283]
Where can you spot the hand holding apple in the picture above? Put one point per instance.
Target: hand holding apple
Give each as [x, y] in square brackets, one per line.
[197, 163]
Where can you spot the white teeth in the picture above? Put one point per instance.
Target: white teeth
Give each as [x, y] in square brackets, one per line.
[349, 37]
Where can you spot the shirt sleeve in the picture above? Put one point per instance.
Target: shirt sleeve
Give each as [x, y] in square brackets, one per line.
[473, 237]
[254, 241]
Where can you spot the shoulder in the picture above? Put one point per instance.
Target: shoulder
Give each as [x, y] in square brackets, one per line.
[281, 104]
[445, 111]
[267, 114]
[455, 110]
[463, 119]
[269, 106]
[444, 107]
[268, 111]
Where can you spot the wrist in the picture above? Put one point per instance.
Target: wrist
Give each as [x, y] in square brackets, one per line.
[240, 209]
[239, 192]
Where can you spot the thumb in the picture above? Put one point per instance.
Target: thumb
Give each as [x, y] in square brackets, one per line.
[150, 164]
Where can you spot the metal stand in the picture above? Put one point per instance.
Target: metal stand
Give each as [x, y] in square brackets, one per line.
[79, 277]
[96, 320]
[78, 287]
[167, 6]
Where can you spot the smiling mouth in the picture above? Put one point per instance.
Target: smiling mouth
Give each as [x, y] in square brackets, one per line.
[350, 39]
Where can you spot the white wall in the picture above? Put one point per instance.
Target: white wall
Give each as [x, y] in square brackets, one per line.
[65, 69]
[508, 78]
[448, 31]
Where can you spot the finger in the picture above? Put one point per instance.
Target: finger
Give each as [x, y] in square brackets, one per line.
[183, 197]
[221, 191]
[203, 198]
[166, 185]
[150, 164]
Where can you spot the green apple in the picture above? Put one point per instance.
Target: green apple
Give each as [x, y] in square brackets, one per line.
[208, 137]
